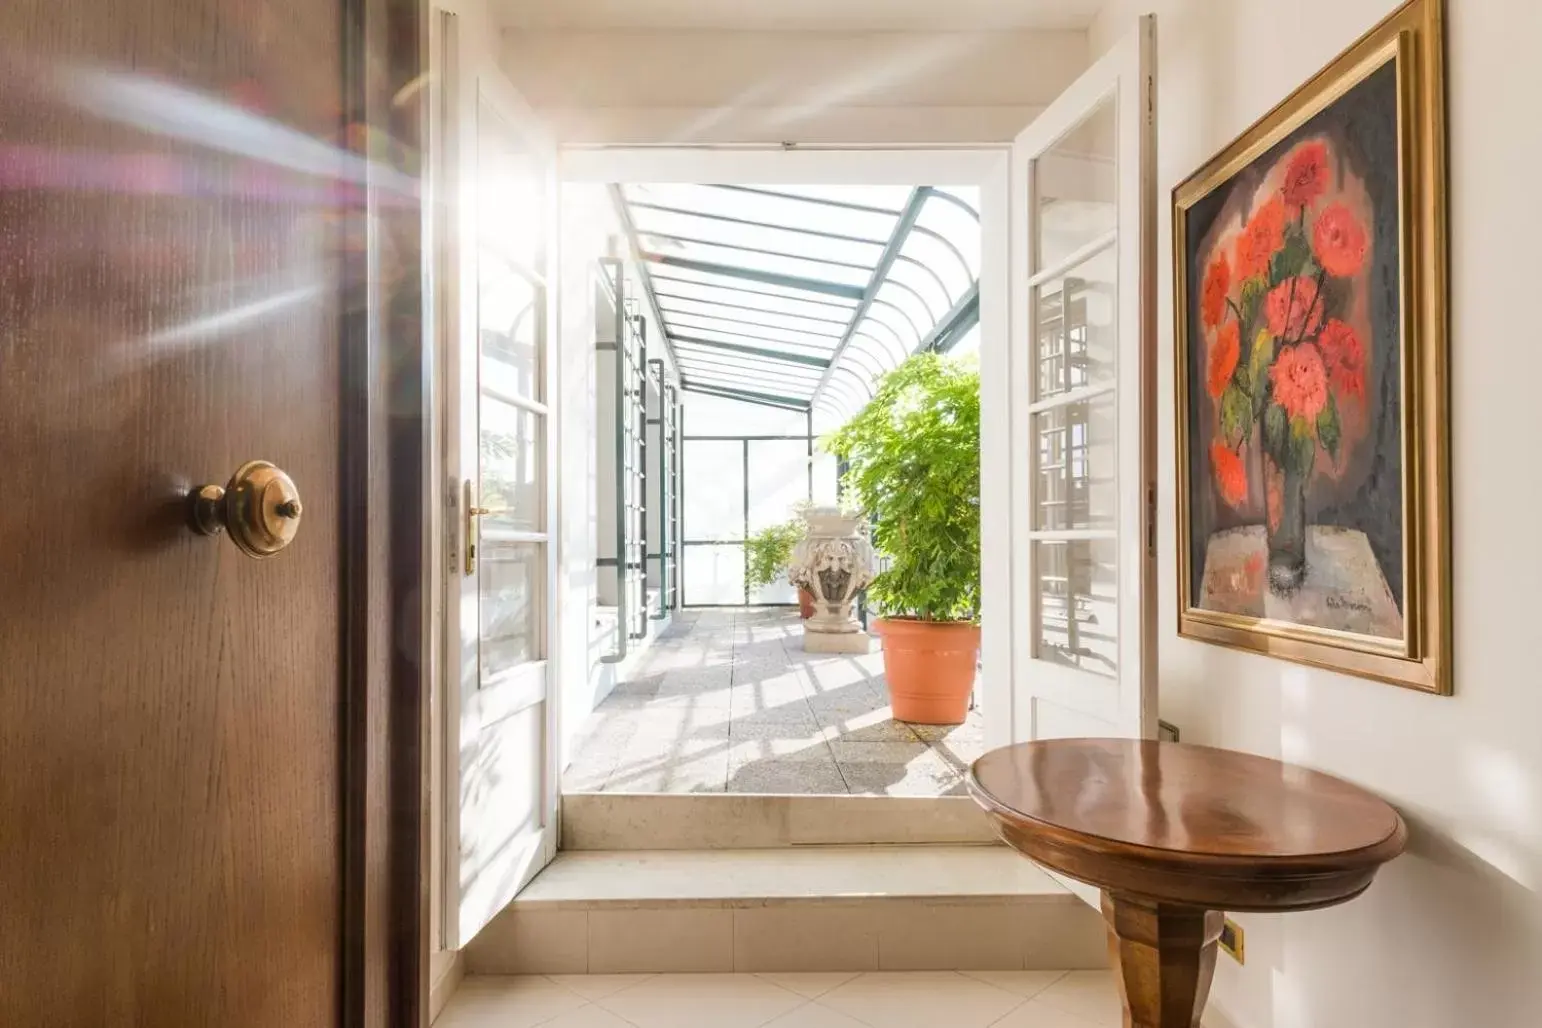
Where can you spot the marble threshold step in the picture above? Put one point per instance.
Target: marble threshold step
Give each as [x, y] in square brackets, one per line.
[817, 908]
[690, 821]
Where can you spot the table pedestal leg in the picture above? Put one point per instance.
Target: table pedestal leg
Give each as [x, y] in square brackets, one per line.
[1164, 955]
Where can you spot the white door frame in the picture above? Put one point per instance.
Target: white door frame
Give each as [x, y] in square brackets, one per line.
[1053, 698]
[987, 167]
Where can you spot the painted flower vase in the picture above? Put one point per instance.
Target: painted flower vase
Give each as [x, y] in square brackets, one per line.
[1286, 525]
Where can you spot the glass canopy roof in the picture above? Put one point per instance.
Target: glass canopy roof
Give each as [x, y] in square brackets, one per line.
[802, 296]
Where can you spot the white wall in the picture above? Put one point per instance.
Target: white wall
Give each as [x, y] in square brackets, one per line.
[715, 86]
[1451, 934]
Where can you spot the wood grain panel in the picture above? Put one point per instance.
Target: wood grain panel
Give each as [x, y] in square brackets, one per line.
[177, 216]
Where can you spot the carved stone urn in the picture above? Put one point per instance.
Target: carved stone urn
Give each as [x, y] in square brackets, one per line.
[833, 561]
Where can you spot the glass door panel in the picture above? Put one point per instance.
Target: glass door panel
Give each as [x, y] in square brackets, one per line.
[1082, 334]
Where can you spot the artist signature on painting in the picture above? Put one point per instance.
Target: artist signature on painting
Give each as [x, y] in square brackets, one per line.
[1348, 603]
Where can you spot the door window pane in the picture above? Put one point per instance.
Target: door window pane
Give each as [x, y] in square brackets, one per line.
[1075, 585]
[1077, 182]
[510, 327]
[512, 449]
[1075, 337]
[1075, 468]
[509, 580]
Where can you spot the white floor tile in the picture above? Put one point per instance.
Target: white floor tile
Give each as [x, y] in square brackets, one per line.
[812, 984]
[598, 986]
[1038, 1014]
[1024, 983]
[921, 1000]
[1092, 995]
[590, 1016]
[512, 1001]
[814, 1015]
[702, 1001]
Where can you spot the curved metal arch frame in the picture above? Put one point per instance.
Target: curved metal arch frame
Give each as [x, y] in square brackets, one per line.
[852, 380]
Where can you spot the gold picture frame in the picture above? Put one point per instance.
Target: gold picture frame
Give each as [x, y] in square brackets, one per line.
[1396, 285]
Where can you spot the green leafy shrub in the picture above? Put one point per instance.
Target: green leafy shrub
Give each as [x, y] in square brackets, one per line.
[767, 553]
[913, 456]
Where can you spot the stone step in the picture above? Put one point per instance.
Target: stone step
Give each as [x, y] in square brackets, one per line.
[814, 908]
[691, 821]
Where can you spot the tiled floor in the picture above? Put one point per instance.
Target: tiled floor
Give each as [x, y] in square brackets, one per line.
[728, 701]
[920, 999]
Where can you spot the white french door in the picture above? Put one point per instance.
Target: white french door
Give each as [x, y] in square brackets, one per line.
[501, 442]
[1082, 448]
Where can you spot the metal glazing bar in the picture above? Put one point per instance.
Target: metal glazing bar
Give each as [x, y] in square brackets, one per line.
[945, 241]
[735, 289]
[843, 204]
[698, 241]
[936, 280]
[943, 194]
[673, 313]
[880, 273]
[750, 223]
[754, 351]
[752, 438]
[745, 307]
[964, 316]
[619, 202]
[738, 378]
[879, 302]
[749, 335]
[809, 421]
[618, 269]
[738, 374]
[702, 322]
[744, 481]
[770, 278]
[763, 399]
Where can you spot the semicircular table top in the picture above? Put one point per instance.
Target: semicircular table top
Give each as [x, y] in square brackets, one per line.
[1194, 824]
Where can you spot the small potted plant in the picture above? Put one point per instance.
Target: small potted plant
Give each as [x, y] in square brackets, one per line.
[766, 556]
[913, 464]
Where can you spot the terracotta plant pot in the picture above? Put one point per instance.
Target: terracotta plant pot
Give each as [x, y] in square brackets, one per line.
[929, 667]
[805, 604]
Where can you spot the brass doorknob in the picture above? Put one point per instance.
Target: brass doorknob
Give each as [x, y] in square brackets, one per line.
[259, 506]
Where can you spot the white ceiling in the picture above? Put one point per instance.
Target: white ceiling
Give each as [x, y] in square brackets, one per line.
[811, 15]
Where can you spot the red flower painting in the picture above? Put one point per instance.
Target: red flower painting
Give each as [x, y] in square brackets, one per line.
[1230, 474]
[1300, 382]
[1223, 358]
[1344, 358]
[1212, 301]
[1306, 176]
[1263, 236]
[1283, 356]
[1292, 310]
[1338, 242]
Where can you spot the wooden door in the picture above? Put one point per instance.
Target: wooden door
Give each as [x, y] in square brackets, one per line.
[209, 791]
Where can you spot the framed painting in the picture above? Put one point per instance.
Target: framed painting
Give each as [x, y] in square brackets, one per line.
[1311, 342]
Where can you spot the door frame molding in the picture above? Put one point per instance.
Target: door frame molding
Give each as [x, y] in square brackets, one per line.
[383, 609]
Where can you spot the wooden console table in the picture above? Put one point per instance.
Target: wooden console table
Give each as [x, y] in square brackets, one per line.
[1174, 835]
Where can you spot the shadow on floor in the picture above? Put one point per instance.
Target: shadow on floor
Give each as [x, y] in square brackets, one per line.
[728, 701]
